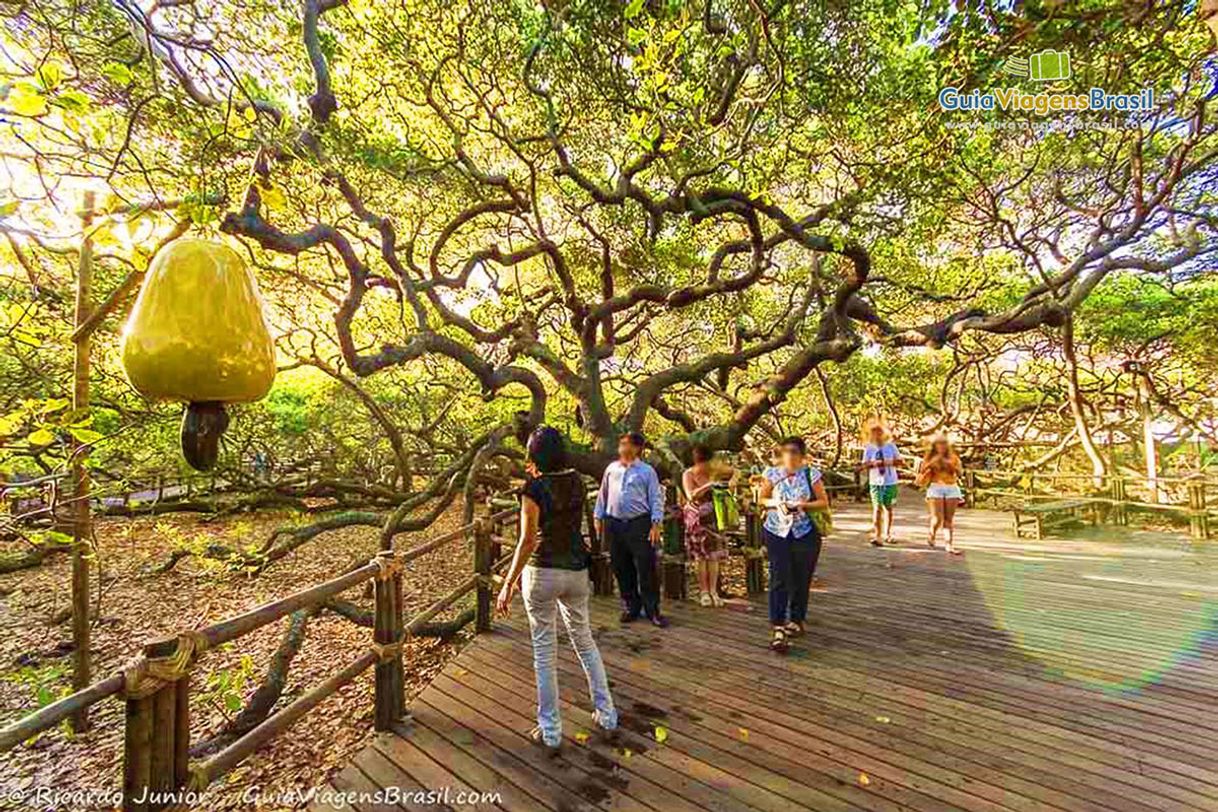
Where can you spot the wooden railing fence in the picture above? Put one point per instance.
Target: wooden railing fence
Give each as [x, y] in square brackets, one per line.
[1192, 497]
[1114, 500]
[155, 686]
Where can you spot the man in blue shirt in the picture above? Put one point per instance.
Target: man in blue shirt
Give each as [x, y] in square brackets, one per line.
[629, 512]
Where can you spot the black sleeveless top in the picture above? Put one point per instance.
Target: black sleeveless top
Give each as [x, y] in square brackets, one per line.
[560, 542]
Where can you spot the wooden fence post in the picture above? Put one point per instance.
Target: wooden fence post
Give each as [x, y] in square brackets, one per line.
[496, 529]
[970, 489]
[137, 746]
[388, 640]
[600, 570]
[1120, 513]
[482, 566]
[181, 732]
[672, 559]
[754, 554]
[1198, 514]
[156, 747]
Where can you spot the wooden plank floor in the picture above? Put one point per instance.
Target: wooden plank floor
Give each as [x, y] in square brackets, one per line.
[1052, 675]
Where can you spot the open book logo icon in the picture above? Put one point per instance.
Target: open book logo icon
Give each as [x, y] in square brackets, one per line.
[1044, 66]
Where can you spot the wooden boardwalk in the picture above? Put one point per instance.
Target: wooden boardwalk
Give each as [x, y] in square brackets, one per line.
[1050, 675]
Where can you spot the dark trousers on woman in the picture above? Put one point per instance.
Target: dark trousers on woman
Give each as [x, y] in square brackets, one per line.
[792, 562]
[634, 564]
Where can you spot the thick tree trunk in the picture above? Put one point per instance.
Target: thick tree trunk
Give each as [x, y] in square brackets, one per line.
[1149, 443]
[1078, 405]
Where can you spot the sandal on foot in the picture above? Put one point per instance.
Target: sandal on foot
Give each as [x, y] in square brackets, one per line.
[875, 542]
[794, 629]
[706, 599]
[778, 642]
[718, 601]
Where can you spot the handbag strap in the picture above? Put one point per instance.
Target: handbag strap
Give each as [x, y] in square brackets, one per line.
[811, 493]
[808, 479]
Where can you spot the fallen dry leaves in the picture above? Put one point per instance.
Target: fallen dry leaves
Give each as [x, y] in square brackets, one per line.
[135, 607]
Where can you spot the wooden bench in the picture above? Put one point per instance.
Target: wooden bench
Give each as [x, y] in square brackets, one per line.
[1034, 519]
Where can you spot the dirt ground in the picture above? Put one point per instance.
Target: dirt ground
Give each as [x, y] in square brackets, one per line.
[134, 606]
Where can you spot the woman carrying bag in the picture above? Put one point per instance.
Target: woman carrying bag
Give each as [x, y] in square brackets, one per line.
[793, 495]
[705, 513]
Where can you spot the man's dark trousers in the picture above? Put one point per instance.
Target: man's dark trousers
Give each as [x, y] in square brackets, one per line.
[634, 564]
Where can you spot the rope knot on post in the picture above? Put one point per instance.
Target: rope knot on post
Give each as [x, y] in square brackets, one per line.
[148, 673]
[388, 565]
[388, 651]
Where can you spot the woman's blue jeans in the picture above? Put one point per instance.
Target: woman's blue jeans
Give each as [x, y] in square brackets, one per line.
[549, 593]
[792, 562]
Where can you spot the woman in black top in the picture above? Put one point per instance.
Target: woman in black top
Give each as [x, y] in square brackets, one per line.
[551, 560]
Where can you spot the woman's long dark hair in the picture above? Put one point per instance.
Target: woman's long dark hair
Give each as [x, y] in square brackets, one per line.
[547, 450]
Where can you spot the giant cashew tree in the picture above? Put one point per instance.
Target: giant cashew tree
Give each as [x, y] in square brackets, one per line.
[663, 216]
[658, 215]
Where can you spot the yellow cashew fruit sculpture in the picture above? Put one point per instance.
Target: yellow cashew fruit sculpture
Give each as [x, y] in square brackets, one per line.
[198, 334]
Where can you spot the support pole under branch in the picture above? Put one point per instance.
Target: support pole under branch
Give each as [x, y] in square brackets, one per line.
[82, 523]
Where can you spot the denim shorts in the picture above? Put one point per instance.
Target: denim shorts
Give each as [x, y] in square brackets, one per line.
[939, 490]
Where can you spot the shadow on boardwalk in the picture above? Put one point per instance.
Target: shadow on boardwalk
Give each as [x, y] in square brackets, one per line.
[1058, 674]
